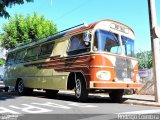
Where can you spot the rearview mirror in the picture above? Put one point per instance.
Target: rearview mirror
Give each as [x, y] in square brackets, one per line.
[87, 38]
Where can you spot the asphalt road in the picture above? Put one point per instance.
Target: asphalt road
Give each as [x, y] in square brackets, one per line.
[65, 107]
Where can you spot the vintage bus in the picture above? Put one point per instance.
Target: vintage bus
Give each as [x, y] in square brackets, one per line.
[98, 57]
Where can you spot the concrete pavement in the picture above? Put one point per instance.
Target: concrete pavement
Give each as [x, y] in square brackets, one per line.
[147, 100]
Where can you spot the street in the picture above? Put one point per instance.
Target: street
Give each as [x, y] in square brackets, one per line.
[65, 107]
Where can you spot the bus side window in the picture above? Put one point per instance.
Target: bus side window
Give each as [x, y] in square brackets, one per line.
[32, 53]
[46, 50]
[20, 56]
[77, 45]
[10, 59]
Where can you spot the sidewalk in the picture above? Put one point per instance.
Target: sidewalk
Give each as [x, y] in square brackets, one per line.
[147, 100]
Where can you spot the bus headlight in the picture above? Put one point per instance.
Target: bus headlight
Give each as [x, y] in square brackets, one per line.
[103, 75]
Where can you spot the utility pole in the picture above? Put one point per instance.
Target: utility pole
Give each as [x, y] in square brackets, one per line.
[154, 31]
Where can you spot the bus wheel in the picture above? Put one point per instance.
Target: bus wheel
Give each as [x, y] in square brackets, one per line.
[6, 89]
[51, 93]
[81, 92]
[21, 90]
[20, 87]
[116, 95]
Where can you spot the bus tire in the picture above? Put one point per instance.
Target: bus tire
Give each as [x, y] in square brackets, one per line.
[51, 93]
[6, 89]
[21, 90]
[20, 87]
[81, 92]
[116, 95]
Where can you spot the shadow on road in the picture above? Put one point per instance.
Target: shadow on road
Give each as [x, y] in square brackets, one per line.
[93, 98]
[96, 98]
[7, 95]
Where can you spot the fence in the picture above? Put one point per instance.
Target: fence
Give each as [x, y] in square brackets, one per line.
[146, 76]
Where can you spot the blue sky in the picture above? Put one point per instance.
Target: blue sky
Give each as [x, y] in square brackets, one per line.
[67, 13]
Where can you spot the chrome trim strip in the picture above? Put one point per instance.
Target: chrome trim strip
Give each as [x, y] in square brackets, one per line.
[62, 67]
[43, 76]
[113, 82]
[101, 66]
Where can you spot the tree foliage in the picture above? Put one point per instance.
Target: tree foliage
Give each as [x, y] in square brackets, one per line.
[9, 3]
[144, 59]
[2, 61]
[21, 30]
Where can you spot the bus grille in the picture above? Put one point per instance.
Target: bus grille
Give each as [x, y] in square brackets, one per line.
[123, 68]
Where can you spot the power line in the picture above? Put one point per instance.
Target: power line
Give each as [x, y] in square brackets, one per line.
[71, 11]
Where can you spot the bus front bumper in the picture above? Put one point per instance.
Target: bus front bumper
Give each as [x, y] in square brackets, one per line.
[113, 85]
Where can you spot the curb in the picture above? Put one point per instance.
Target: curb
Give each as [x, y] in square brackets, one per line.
[141, 102]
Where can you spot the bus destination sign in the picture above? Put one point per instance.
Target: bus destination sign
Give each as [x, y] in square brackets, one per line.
[119, 28]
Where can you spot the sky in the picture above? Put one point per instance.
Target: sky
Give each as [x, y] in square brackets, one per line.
[68, 13]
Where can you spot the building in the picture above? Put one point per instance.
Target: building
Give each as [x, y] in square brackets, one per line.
[3, 52]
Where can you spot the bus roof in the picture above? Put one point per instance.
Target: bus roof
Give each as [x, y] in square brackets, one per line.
[66, 33]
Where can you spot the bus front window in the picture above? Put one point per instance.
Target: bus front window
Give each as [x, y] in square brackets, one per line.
[128, 46]
[107, 41]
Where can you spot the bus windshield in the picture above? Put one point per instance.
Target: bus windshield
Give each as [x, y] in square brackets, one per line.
[128, 46]
[110, 42]
[107, 41]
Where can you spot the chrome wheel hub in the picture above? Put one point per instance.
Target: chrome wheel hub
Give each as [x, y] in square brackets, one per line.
[20, 86]
[78, 88]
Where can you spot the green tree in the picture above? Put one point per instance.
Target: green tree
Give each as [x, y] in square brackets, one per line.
[144, 59]
[21, 30]
[2, 61]
[1, 37]
[9, 3]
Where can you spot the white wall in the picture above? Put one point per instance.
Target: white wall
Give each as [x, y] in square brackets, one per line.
[3, 53]
[1, 70]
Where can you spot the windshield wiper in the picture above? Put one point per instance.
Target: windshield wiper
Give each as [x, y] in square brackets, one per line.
[114, 36]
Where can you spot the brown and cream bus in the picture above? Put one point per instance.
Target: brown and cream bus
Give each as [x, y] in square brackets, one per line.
[88, 58]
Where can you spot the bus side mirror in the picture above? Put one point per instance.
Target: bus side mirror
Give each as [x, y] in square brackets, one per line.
[87, 38]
